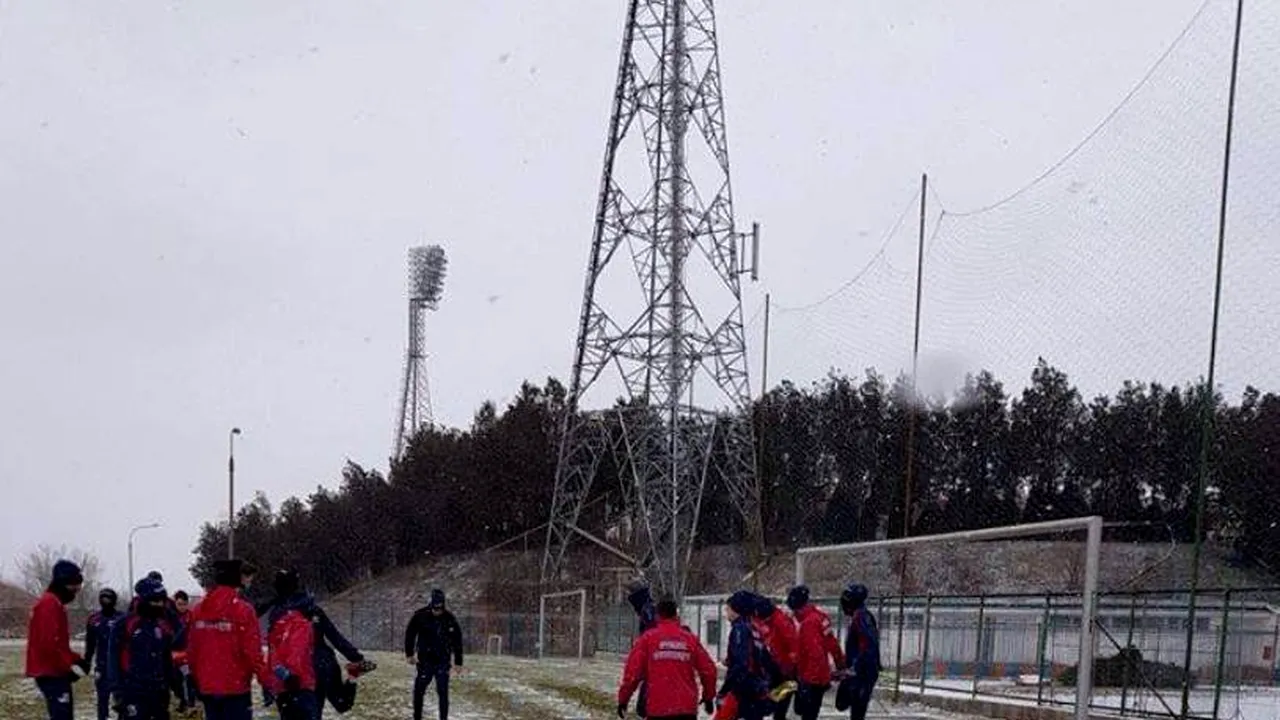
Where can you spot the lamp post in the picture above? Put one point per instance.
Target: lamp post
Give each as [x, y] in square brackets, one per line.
[131, 534]
[231, 493]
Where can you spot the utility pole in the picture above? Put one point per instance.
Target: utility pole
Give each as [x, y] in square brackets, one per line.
[231, 493]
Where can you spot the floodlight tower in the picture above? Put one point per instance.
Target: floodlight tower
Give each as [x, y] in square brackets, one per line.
[664, 233]
[426, 284]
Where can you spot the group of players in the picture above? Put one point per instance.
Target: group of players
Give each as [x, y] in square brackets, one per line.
[773, 656]
[160, 649]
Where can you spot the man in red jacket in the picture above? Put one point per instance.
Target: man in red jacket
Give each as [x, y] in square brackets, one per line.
[291, 647]
[49, 657]
[672, 663]
[816, 648]
[224, 647]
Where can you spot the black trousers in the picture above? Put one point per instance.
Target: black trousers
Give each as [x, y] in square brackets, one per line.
[152, 705]
[298, 705]
[103, 688]
[57, 697]
[860, 700]
[809, 700]
[426, 674]
[228, 707]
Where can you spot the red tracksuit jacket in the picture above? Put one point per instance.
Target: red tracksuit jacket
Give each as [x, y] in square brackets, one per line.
[815, 643]
[782, 641]
[49, 652]
[671, 662]
[290, 644]
[224, 644]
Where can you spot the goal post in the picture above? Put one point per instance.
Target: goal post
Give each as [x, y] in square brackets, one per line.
[582, 619]
[1092, 526]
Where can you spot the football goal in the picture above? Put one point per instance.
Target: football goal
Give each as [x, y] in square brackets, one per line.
[562, 624]
[1007, 611]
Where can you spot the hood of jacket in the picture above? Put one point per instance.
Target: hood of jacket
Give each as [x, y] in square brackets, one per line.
[639, 598]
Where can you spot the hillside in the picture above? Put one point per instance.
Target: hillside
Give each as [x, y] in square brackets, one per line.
[15, 603]
[508, 581]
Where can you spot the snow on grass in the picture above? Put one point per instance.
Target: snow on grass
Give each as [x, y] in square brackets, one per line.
[488, 688]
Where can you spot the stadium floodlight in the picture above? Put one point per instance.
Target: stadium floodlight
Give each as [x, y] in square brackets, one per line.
[1088, 592]
[427, 267]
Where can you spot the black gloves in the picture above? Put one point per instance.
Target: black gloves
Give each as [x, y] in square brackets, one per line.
[622, 710]
[709, 707]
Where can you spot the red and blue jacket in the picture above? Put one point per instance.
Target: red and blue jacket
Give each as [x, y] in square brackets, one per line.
[143, 654]
[747, 663]
[862, 646]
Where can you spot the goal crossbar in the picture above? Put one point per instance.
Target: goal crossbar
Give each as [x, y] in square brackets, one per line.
[582, 618]
[1089, 592]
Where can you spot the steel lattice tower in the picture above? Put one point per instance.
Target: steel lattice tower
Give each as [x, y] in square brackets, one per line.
[662, 305]
[426, 282]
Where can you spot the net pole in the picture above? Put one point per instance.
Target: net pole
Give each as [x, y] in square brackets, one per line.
[1084, 678]
[911, 443]
[1207, 412]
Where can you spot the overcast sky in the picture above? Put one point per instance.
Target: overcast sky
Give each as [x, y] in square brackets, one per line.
[206, 208]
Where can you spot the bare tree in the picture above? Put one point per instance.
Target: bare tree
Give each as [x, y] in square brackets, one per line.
[35, 570]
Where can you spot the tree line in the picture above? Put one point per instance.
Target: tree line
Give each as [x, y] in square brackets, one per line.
[833, 462]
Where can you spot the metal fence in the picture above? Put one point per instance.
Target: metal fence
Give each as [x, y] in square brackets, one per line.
[1023, 649]
[609, 629]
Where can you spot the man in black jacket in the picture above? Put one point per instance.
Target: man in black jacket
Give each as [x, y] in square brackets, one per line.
[432, 640]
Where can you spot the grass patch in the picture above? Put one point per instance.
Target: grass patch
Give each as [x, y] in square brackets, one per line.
[502, 704]
[589, 698]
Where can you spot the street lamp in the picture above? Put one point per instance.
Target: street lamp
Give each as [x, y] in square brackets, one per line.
[231, 493]
[131, 534]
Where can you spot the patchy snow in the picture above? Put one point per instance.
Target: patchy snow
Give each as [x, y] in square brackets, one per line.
[504, 688]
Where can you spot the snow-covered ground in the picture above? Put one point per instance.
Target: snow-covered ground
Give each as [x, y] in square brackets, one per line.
[503, 688]
[1253, 703]
[488, 688]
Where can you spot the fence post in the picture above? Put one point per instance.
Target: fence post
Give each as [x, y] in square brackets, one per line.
[1275, 651]
[902, 625]
[1042, 652]
[924, 649]
[977, 652]
[1222, 653]
[1128, 643]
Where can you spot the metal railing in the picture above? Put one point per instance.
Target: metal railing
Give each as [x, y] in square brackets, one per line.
[1024, 649]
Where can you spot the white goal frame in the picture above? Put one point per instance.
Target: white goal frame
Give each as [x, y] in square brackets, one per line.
[582, 619]
[1089, 593]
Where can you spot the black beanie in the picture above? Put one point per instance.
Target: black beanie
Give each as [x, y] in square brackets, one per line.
[742, 602]
[227, 572]
[798, 597]
[66, 573]
[286, 583]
